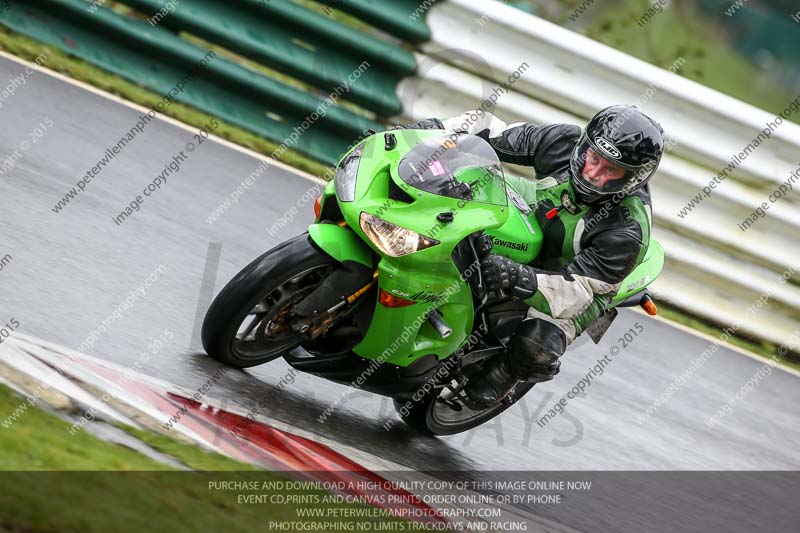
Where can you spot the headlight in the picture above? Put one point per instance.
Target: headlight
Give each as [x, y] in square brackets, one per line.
[345, 179]
[391, 239]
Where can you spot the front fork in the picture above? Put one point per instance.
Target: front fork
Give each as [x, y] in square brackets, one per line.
[321, 318]
[334, 299]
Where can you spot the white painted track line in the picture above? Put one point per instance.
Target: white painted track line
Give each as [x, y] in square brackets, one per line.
[165, 118]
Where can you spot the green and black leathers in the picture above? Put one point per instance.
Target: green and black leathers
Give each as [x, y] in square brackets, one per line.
[588, 249]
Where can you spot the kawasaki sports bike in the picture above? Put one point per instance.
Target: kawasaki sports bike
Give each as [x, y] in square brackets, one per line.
[384, 291]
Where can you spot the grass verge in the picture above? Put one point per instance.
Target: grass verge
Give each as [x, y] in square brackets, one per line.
[52, 481]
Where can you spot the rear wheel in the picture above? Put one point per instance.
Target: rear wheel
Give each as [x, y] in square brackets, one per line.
[442, 412]
[246, 324]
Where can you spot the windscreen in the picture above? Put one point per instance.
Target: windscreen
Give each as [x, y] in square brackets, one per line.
[457, 166]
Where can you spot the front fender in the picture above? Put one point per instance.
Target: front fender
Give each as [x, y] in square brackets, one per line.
[340, 243]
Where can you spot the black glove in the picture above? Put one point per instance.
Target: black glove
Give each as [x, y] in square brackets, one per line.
[483, 245]
[502, 273]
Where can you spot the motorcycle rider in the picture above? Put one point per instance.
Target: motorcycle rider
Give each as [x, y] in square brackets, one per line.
[592, 201]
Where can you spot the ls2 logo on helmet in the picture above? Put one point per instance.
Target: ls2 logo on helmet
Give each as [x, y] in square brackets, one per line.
[606, 146]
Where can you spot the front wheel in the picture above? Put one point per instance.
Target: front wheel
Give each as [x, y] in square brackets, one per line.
[246, 324]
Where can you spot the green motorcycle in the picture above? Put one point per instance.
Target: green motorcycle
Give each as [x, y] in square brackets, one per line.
[384, 291]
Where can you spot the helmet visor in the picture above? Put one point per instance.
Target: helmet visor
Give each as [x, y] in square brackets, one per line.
[595, 167]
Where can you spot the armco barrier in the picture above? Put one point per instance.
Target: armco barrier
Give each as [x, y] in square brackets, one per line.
[158, 59]
[402, 18]
[571, 72]
[714, 269]
[446, 91]
[306, 45]
[708, 272]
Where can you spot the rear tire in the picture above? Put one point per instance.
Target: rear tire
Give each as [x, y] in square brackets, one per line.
[413, 414]
[264, 289]
[429, 415]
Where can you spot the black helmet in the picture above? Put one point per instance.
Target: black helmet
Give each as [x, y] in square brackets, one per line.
[623, 147]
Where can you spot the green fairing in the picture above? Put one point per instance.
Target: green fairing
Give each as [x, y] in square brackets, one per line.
[644, 274]
[340, 243]
[520, 238]
[401, 335]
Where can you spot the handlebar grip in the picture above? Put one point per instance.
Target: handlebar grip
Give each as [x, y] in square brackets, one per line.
[483, 245]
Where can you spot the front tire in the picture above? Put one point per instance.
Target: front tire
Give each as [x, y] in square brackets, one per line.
[264, 290]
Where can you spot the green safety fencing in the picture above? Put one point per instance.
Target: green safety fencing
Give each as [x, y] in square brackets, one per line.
[306, 45]
[402, 18]
[329, 57]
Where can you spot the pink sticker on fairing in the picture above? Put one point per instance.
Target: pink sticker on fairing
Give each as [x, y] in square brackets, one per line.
[436, 168]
